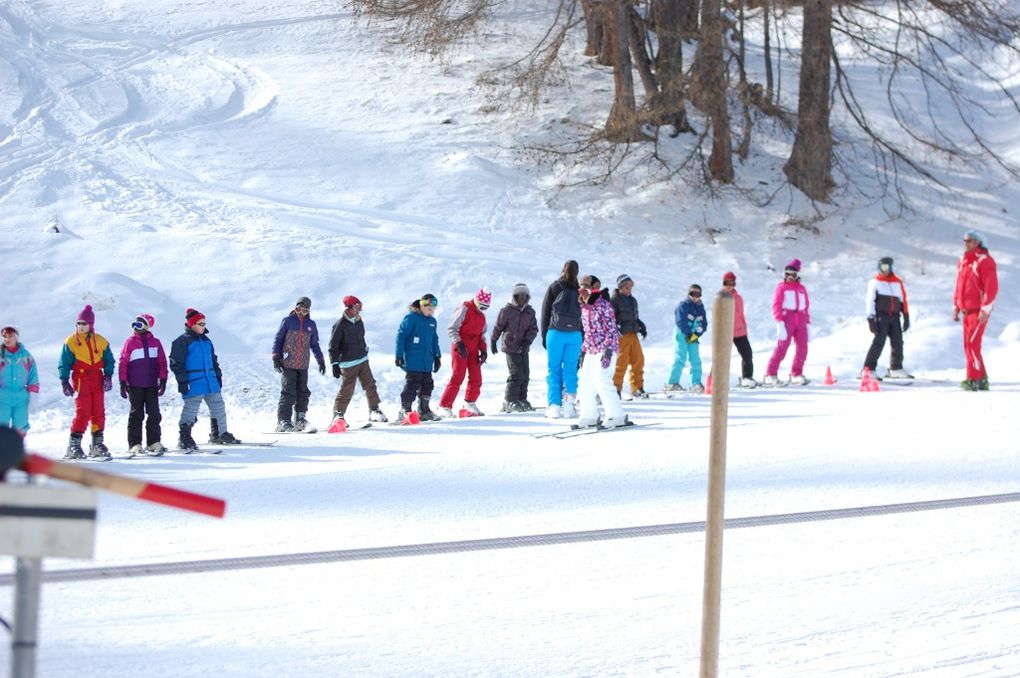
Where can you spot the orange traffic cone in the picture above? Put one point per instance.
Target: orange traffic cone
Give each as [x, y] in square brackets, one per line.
[829, 381]
[411, 419]
[868, 382]
[708, 384]
[338, 426]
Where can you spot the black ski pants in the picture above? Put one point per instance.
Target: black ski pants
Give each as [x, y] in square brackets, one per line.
[294, 393]
[520, 374]
[746, 356]
[887, 326]
[416, 384]
[144, 405]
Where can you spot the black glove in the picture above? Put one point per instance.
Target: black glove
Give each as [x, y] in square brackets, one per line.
[336, 370]
[322, 368]
[278, 364]
[607, 357]
[183, 388]
[66, 385]
[160, 386]
[107, 384]
[873, 324]
[123, 389]
[642, 330]
[543, 341]
[580, 360]
[492, 345]
[398, 361]
[482, 357]
[461, 349]
[436, 364]
[906, 322]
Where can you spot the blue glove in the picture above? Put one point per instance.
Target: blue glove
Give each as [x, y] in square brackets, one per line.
[107, 383]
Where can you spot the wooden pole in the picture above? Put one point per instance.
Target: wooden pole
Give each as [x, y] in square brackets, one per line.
[129, 487]
[722, 345]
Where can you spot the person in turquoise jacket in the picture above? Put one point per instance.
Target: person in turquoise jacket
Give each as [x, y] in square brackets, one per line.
[691, 323]
[19, 378]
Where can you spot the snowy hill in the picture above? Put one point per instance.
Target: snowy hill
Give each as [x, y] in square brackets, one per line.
[234, 156]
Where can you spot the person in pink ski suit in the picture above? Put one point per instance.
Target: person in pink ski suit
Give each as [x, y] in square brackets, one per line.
[791, 309]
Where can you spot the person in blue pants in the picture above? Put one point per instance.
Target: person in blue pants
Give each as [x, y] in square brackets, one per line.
[561, 337]
[691, 324]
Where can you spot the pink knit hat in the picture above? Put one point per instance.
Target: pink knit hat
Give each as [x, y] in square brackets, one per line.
[483, 297]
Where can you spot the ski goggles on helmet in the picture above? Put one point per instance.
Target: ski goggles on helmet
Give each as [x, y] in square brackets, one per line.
[429, 300]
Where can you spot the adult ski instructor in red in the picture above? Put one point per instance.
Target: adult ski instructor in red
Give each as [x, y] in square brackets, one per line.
[977, 284]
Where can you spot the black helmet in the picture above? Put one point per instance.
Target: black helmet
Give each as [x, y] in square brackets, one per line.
[885, 261]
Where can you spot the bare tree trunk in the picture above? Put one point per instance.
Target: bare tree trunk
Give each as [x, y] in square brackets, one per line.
[744, 88]
[712, 85]
[593, 27]
[638, 40]
[622, 125]
[688, 10]
[810, 165]
[668, 107]
[767, 48]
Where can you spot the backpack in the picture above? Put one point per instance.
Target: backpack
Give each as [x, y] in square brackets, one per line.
[566, 311]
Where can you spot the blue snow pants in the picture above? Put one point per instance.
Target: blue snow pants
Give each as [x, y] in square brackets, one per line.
[564, 351]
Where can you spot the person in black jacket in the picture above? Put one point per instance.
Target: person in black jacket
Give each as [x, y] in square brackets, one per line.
[348, 354]
[630, 325]
[518, 327]
[561, 338]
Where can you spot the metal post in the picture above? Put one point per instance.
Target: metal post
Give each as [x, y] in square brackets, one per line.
[722, 345]
[28, 583]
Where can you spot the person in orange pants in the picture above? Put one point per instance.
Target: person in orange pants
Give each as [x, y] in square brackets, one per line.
[977, 285]
[86, 369]
[625, 307]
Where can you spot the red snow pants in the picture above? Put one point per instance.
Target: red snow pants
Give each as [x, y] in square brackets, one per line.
[90, 405]
[473, 368]
[973, 332]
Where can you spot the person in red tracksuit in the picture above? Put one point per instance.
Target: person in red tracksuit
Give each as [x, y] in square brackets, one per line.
[86, 372]
[469, 351]
[977, 284]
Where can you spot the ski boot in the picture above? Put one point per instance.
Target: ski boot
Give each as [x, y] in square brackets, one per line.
[425, 413]
[98, 450]
[217, 438]
[301, 424]
[284, 426]
[470, 410]
[156, 449]
[74, 450]
[376, 414]
[184, 441]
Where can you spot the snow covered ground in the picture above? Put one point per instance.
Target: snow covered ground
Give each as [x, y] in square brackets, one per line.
[233, 156]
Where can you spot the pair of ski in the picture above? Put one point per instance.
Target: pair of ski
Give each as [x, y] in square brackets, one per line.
[576, 430]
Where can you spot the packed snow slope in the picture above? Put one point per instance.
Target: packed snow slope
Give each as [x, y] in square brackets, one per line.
[232, 156]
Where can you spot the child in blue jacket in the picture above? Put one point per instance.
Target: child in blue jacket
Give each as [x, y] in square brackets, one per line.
[691, 324]
[19, 378]
[418, 354]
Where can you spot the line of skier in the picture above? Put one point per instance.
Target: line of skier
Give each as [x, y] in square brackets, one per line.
[592, 340]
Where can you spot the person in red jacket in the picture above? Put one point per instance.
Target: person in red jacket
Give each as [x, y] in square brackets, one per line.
[977, 284]
[469, 351]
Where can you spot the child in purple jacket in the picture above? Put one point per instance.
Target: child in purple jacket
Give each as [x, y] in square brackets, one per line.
[143, 375]
[599, 351]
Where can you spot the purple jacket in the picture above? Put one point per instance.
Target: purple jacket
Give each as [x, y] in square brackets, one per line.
[142, 360]
[599, 323]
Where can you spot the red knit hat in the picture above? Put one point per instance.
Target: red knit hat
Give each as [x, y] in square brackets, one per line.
[729, 275]
[191, 316]
[483, 297]
[351, 300]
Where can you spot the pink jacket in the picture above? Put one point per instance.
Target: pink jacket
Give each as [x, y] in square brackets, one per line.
[790, 297]
[739, 321]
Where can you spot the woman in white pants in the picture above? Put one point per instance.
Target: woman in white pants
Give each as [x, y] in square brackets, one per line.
[599, 352]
